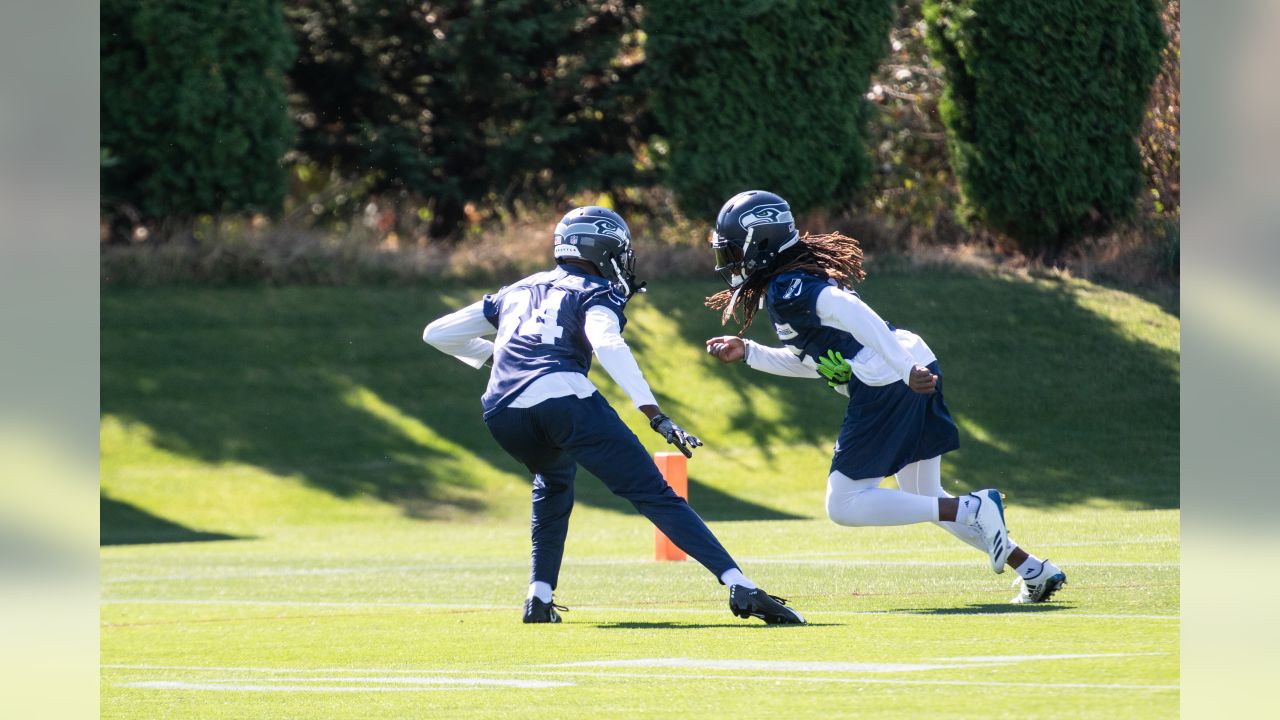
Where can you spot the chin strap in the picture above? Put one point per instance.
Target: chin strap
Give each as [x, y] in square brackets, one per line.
[639, 288]
[733, 302]
[626, 281]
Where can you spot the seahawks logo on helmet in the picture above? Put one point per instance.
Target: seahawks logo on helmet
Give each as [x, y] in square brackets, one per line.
[766, 214]
[594, 226]
[608, 227]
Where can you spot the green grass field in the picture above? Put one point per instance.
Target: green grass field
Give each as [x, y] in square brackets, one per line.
[303, 516]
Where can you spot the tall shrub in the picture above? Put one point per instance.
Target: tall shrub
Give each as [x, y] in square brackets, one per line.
[1043, 103]
[461, 102]
[766, 94]
[193, 107]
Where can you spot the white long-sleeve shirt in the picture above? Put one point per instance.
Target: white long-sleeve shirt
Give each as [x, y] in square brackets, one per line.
[886, 356]
[460, 334]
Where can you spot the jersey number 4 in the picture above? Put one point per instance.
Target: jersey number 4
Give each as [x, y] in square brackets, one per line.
[543, 321]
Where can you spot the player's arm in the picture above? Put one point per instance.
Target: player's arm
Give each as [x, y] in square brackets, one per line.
[460, 334]
[845, 311]
[604, 332]
[775, 361]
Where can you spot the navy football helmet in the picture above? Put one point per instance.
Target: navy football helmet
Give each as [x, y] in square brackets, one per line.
[601, 237]
[752, 228]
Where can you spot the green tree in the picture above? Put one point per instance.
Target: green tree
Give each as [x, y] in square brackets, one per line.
[1044, 100]
[764, 94]
[193, 108]
[462, 101]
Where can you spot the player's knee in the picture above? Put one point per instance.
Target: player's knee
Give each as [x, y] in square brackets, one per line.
[843, 508]
[843, 499]
[834, 513]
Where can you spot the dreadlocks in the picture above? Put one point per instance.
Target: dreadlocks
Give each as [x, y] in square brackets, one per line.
[830, 255]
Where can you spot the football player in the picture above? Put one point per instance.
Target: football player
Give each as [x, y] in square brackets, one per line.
[896, 422]
[542, 409]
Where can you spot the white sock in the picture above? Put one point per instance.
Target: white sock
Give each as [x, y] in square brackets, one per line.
[924, 477]
[540, 590]
[1030, 568]
[734, 576]
[966, 509]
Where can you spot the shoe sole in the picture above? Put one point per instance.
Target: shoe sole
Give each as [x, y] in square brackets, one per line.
[773, 619]
[999, 556]
[794, 619]
[1052, 585]
[776, 620]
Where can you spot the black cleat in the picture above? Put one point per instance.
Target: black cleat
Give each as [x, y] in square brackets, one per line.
[536, 611]
[746, 602]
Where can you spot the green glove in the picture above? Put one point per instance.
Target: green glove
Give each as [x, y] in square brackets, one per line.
[835, 369]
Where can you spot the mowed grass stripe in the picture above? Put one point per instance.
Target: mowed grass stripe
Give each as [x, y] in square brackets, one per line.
[423, 568]
[1037, 611]
[249, 685]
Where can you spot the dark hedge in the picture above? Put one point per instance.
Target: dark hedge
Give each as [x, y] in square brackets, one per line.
[193, 106]
[764, 95]
[1043, 102]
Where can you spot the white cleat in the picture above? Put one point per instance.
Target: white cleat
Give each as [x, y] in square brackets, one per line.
[1041, 587]
[988, 519]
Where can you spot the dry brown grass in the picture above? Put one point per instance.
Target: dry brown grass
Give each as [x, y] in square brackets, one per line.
[261, 254]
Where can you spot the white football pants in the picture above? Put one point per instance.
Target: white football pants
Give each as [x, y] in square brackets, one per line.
[860, 503]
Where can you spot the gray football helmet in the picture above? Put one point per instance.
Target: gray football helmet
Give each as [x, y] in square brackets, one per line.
[600, 237]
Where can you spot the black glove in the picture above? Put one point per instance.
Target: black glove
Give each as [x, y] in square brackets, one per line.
[674, 434]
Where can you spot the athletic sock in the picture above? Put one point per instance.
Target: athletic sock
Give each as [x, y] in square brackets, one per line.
[540, 590]
[965, 509]
[1030, 568]
[734, 576]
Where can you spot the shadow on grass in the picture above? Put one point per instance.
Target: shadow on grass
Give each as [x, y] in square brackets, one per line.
[333, 386]
[1057, 403]
[330, 386]
[664, 625]
[124, 524]
[712, 504]
[988, 609]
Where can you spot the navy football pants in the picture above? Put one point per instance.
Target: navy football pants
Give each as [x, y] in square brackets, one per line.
[553, 437]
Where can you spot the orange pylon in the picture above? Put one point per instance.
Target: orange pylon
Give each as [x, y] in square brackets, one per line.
[673, 468]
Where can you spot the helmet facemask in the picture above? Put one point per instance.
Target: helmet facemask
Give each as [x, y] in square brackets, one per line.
[736, 261]
[624, 272]
[729, 260]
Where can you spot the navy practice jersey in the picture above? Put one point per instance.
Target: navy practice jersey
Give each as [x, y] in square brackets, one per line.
[540, 322]
[792, 301]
